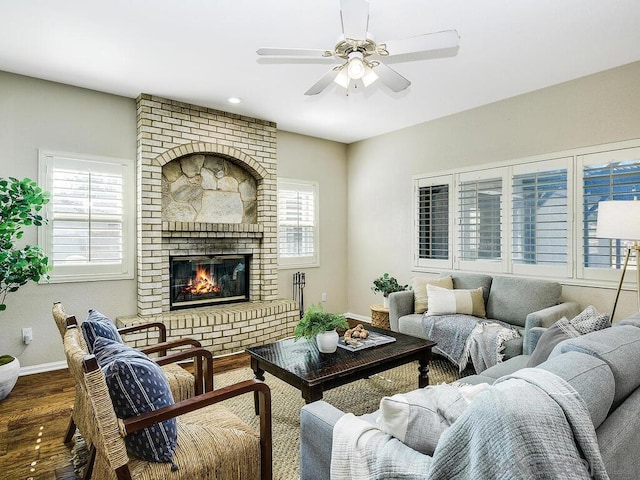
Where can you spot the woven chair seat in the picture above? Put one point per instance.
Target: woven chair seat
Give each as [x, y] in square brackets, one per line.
[213, 444]
[181, 382]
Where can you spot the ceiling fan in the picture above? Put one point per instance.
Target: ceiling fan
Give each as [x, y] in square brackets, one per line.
[362, 55]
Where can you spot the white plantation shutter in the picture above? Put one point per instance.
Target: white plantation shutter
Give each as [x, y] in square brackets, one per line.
[90, 217]
[433, 246]
[297, 223]
[540, 230]
[607, 176]
[480, 219]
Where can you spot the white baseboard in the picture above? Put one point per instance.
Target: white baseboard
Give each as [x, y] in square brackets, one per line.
[43, 367]
[355, 316]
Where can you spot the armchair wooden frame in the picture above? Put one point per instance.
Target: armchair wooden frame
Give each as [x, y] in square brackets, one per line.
[259, 388]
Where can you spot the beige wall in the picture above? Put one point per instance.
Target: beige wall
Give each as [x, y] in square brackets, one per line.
[308, 158]
[38, 114]
[598, 109]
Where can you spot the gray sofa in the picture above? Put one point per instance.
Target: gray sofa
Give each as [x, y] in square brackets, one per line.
[522, 302]
[603, 367]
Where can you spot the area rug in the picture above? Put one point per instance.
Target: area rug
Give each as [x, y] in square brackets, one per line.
[362, 396]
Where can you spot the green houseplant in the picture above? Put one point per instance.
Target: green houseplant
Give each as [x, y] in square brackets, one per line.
[20, 204]
[322, 325]
[386, 285]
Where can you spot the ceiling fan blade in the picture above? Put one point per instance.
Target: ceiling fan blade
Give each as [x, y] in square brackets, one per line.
[355, 18]
[324, 82]
[391, 78]
[294, 52]
[422, 43]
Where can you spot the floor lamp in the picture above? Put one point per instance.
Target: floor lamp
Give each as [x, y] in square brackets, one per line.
[620, 220]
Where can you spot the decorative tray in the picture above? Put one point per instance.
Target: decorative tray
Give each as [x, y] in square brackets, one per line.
[373, 340]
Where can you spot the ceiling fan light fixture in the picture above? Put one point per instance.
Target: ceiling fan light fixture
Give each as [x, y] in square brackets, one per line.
[355, 67]
[369, 76]
[342, 78]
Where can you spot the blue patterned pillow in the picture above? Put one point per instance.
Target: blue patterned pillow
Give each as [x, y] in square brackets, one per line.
[107, 350]
[97, 325]
[137, 385]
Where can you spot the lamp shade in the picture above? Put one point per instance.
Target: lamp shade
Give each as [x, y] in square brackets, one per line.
[619, 219]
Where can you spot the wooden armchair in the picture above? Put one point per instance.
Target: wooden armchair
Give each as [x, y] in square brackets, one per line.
[183, 384]
[212, 442]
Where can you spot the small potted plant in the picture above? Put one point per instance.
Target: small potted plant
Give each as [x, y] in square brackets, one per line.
[387, 284]
[322, 325]
[20, 202]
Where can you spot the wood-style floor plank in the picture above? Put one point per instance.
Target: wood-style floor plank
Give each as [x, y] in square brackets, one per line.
[34, 419]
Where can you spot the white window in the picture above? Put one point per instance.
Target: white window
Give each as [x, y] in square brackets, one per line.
[480, 220]
[297, 223]
[90, 233]
[433, 222]
[540, 213]
[611, 175]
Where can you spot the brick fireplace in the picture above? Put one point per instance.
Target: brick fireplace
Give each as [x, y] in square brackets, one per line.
[207, 186]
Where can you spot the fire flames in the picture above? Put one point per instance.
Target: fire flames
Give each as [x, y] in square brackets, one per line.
[202, 284]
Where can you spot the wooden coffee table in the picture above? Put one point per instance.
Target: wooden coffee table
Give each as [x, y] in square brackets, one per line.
[302, 366]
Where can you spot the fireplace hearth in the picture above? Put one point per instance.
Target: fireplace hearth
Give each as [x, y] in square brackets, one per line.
[208, 280]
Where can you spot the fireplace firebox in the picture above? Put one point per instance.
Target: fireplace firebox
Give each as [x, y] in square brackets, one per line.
[208, 280]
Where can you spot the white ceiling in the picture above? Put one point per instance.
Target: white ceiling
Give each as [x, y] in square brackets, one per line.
[204, 51]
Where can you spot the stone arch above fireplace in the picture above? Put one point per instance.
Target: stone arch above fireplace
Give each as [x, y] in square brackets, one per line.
[207, 188]
[252, 165]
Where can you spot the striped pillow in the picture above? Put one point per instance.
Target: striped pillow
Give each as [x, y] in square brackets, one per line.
[443, 301]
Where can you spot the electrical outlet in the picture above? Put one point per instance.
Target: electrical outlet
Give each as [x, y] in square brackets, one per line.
[324, 297]
[27, 335]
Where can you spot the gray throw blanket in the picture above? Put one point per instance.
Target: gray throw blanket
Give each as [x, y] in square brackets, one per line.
[531, 424]
[460, 336]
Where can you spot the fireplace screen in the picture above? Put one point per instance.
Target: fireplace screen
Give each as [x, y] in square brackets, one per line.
[209, 280]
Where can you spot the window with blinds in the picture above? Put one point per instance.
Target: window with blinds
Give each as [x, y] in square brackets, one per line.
[480, 219]
[613, 180]
[297, 223]
[539, 216]
[433, 222]
[89, 234]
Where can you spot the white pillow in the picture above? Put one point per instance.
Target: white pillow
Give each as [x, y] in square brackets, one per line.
[419, 287]
[449, 302]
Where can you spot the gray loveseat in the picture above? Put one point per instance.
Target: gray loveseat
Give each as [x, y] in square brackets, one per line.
[522, 302]
[603, 367]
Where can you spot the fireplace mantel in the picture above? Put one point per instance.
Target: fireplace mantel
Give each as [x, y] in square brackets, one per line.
[195, 229]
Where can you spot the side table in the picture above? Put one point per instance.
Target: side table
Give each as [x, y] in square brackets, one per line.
[380, 316]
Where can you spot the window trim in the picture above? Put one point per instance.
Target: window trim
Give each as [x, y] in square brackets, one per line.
[79, 273]
[309, 261]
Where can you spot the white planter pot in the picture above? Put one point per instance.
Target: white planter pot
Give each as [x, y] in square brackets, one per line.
[327, 341]
[8, 377]
[385, 302]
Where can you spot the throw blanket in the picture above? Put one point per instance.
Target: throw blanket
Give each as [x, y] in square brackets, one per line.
[362, 452]
[486, 343]
[407, 433]
[531, 424]
[460, 336]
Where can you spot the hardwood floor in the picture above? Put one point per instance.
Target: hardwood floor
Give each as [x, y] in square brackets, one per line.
[34, 419]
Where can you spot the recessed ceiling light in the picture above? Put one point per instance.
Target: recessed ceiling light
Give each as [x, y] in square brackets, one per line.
[234, 100]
